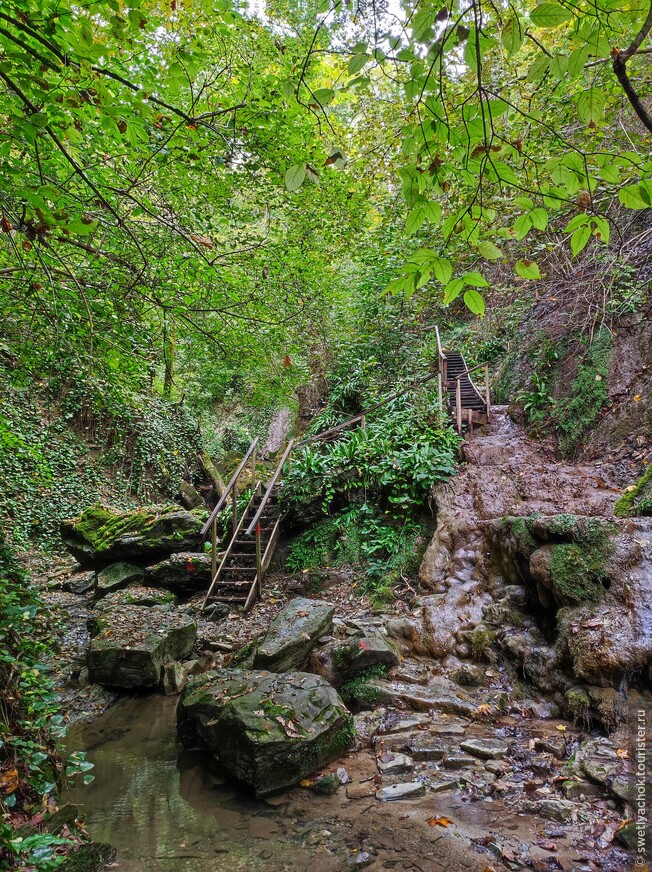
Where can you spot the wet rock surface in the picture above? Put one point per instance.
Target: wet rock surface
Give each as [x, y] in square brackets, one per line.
[267, 731]
[132, 644]
[292, 635]
[184, 573]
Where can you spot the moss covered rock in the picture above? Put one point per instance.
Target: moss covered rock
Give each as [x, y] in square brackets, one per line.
[116, 576]
[267, 731]
[133, 642]
[292, 635]
[102, 535]
[185, 573]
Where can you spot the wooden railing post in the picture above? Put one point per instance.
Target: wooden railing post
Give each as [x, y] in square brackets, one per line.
[253, 468]
[363, 423]
[259, 561]
[440, 390]
[213, 548]
[235, 506]
[486, 389]
[458, 404]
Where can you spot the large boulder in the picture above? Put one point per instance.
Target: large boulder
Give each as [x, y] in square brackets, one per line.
[339, 662]
[267, 731]
[132, 643]
[292, 635]
[116, 576]
[102, 535]
[185, 573]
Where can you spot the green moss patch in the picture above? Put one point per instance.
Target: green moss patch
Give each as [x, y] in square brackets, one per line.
[637, 501]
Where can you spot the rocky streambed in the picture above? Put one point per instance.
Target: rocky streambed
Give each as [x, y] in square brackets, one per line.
[483, 724]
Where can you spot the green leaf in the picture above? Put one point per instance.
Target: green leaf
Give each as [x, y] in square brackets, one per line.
[294, 177]
[580, 238]
[475, 302]
[590, 106]
[357, 62]
[414, 220]
[476, 279]
[631, 197]
[522, 226]
[538, 69]
[442, 270]
[559, 66]
[512, 36]
[324, 96]
[527, 269]
[489, 251]
[432, 212]
[550, 15]
[453, 290]
[602, 229]
[539, 218]
[577, 221]
[576, 61]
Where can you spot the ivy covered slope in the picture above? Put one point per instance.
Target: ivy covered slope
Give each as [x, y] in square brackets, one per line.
[65, 446]
[31, 769]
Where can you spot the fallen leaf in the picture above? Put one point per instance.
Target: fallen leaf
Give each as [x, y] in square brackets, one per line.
[439, 822]
[307, 782]
[9, 781]
[623, 753]
[546, 844]
[562, 728]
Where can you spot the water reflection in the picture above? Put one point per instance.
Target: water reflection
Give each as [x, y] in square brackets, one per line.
[164, 808]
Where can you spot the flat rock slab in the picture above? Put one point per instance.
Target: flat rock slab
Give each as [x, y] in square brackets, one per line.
[266, 730]
[292, 635]
[486, 749]
[116, 576]
[420, 698]
[409, 790]
[184, 573]
[394, 764]
[135, 595]
[103, 535]
[133, 642]
[402, 724]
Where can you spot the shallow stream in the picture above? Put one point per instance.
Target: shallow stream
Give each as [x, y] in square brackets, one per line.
[160, 806]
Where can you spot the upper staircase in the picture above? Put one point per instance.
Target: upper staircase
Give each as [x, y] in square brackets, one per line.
[470, 398]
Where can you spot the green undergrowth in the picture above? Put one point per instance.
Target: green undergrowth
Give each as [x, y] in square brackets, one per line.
[358, 691]
[638, 500]
[63, 448]
[549, 406]
[31, 767]
[384, 548]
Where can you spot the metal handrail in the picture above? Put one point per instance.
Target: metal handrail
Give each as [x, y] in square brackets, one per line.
[270, 487]
[228, 490]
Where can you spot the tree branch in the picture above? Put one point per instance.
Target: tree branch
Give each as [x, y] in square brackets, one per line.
[620, 59]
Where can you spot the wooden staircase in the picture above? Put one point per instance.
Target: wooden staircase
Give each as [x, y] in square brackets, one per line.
[238, 579]
[473, 405]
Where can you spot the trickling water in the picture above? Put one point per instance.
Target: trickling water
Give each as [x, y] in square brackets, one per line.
[162, 808]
